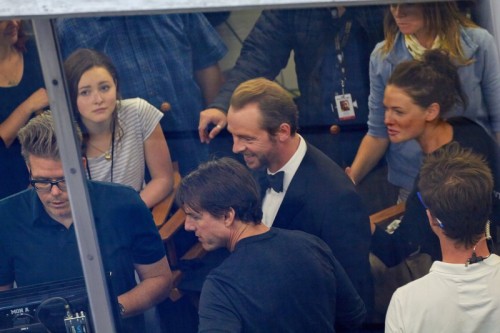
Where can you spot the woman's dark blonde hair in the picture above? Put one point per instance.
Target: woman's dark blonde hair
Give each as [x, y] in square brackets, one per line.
[442, 19]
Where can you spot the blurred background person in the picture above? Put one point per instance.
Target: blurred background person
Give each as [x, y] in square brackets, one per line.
[22, 94]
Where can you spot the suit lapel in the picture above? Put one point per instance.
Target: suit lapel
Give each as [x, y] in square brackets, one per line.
[295, 196]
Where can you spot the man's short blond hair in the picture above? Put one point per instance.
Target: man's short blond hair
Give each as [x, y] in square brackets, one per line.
[276, 104]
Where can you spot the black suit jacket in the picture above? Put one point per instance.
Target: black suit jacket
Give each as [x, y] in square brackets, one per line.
[321, 200]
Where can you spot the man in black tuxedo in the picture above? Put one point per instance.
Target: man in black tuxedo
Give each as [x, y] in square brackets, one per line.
[315, 195]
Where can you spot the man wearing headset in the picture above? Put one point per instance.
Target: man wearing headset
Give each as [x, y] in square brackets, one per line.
[460, 293]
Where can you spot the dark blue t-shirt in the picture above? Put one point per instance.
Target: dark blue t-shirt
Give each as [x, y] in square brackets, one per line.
[36, 249]
[279, 281]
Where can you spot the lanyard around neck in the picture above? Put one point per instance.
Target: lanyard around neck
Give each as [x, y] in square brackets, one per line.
[340, 42]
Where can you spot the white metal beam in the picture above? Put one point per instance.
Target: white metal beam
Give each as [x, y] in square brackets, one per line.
[58, 8]
[69, 148]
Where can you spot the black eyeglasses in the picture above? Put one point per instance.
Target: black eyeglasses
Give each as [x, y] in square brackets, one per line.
[45, 185]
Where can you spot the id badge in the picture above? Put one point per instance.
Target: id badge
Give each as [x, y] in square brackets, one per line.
[345, 106]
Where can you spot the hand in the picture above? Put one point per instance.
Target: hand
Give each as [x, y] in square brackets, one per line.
[348, 172]
[341, 10]
[207, 117]
[38, 100]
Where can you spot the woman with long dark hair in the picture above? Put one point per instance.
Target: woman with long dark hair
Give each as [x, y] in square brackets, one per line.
[121, 137]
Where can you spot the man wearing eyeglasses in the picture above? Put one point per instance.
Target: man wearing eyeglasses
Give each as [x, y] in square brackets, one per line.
[51, 191]
[37, 236]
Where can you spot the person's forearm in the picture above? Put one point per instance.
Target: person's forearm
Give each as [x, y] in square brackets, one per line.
[370, 151]
[156, 190]
[160, 168]
[497, 135]
[20, 116]
[6, 287]
[210, 80]
[149, 292]
[144, 296]
[17, 119]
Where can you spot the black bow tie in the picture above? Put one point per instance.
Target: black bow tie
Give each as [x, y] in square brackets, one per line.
[275, 181]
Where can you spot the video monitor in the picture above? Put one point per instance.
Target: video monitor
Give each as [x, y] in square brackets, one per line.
[56, 307]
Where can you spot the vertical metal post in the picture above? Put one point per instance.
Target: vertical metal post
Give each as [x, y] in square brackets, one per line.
[90, 257]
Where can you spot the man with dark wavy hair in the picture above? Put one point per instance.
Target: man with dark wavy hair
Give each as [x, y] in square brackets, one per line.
[274, 280]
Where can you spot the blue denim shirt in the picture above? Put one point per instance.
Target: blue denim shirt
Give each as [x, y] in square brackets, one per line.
[156, 57]
[480, 82]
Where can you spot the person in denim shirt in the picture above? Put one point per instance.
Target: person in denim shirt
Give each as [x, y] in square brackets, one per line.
[169, 60]
[479, 73]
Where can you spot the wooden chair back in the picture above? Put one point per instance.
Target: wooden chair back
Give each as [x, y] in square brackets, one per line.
[169, 220]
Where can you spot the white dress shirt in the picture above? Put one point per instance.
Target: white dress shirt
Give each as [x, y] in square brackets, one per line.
[272, 200]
